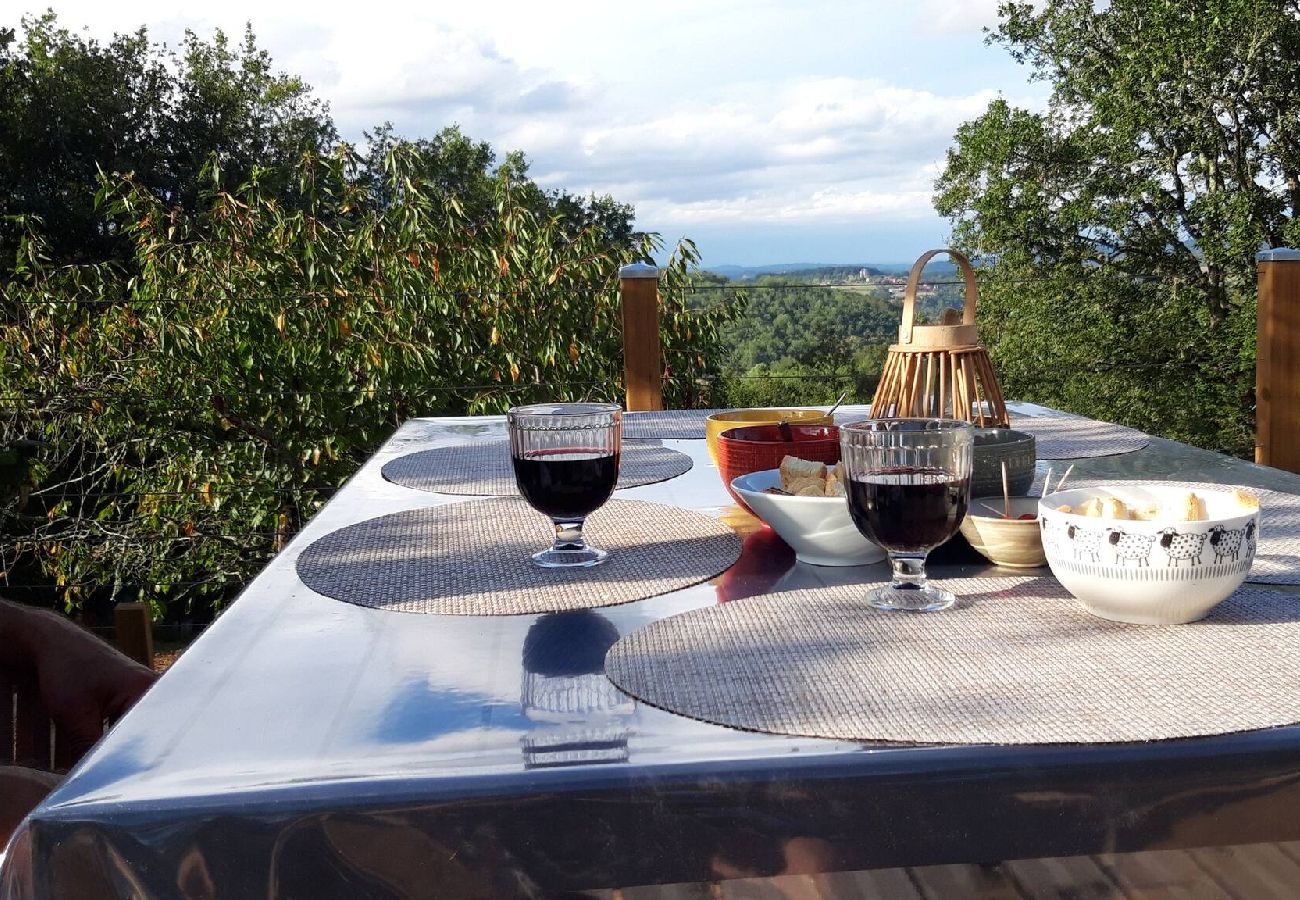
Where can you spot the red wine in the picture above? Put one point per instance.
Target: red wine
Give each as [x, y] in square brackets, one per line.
[908, 509]
[566, 484]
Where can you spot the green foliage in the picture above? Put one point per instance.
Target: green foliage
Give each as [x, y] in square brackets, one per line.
[1121, 224]
[819, 327]
[195, 405]
[804, 343]
[72, 107]
[1122, 349]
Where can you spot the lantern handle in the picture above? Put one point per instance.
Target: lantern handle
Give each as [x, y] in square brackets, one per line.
[914, 279]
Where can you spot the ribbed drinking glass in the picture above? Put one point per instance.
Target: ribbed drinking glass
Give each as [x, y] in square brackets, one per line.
[908, 488]
[566, 458]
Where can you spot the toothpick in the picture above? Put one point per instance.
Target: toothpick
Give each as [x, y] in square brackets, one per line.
[1063, 477]
[1047, 483]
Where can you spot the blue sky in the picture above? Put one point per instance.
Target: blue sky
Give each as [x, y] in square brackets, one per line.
[767, 131]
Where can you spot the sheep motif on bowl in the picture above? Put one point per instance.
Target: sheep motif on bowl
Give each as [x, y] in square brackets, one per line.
[1131, 547]
[1157, 570]
[1229, 543]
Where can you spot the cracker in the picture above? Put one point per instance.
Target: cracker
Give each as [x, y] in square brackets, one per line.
[1245, 499]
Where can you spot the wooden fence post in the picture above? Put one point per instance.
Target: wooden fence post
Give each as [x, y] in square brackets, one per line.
[1277, 360]
[134, 631]
[642, 362]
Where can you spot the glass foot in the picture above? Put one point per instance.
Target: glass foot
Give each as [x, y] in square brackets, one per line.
[570, 558]
[911, 598]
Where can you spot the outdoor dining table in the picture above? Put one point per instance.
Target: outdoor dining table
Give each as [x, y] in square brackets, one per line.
[304, 747]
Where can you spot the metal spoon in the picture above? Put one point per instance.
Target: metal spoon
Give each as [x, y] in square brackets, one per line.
[837, 403]
[784, 426]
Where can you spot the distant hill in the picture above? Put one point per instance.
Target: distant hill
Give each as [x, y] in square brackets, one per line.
[807, 270]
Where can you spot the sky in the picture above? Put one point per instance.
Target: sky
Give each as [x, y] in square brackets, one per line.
[768, 131]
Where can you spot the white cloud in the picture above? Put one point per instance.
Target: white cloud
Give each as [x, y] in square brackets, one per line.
[823, 150]
[697, 112]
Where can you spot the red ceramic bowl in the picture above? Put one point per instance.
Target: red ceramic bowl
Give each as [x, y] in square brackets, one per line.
[757, 448]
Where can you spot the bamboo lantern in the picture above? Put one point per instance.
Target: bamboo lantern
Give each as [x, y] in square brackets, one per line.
[940, 371]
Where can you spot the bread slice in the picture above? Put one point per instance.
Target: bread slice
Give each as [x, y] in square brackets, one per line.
[806, 487]
[1148, 513]
[1191, 509]
[1113, 508]
[792, 468]
[1089, 507]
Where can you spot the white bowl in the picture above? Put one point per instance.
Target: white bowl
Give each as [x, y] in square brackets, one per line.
[1161, 572]
[818, 529]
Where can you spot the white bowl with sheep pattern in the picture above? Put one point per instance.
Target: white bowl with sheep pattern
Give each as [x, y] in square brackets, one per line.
[1157, 572]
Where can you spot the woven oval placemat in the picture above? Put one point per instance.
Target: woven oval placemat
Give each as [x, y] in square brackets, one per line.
[667, 424]
[1014, 663]
[1065, 437]
[472, 558]
[485, 469]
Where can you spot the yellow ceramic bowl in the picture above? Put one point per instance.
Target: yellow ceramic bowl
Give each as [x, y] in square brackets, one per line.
[737, 418]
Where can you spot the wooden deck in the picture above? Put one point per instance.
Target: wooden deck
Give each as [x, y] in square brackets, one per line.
[1245, 872]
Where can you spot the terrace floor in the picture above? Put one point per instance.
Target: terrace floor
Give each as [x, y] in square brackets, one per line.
[1245, 872]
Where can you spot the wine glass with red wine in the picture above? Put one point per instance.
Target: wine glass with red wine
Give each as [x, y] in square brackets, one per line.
[908, 488]
[566, 459]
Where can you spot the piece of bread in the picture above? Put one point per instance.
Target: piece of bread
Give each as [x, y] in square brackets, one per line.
[1190, 509]
[838, 473]
[1089, 507]
[1113, 508]
[834, 487]
[1245, 499]
[801, 486]
[1148, 513]
[793, 468]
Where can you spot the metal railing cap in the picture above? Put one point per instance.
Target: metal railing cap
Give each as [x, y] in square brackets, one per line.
[638, 270]
[1276, 254]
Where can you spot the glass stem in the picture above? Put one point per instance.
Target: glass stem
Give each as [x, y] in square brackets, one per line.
[909, 571]
[568, 535]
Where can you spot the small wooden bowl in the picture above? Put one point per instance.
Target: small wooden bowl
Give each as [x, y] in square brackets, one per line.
[1015, 543]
